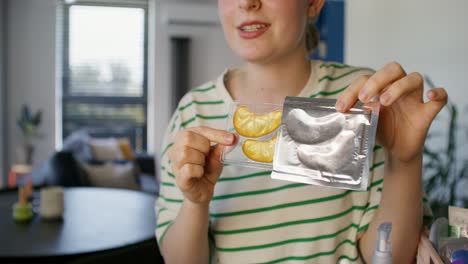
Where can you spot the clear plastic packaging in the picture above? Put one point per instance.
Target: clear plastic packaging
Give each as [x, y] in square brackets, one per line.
[318, 145]
[255, 127]
[451, 245]
[458, 221]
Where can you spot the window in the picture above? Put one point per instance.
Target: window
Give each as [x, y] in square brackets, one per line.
[104, 70]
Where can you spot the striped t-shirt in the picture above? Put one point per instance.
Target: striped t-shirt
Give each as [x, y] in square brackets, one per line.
[256, 219]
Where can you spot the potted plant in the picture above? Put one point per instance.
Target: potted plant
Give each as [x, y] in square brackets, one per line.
[29, 123]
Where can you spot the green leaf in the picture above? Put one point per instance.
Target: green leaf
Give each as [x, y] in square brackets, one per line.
[37, 118]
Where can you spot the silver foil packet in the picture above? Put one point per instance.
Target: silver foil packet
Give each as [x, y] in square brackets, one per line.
[255, 127]
[319, 145]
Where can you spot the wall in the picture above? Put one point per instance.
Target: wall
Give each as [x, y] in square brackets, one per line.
[428, 36]
[2, 95]
[31, 70]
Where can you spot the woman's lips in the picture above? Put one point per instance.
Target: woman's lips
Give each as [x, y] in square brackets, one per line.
[252, 29]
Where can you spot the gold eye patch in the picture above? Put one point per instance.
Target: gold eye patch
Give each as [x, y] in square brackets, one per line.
[261, 151]
[251, 125]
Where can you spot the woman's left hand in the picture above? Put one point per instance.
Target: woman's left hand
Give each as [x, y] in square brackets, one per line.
[404, 117]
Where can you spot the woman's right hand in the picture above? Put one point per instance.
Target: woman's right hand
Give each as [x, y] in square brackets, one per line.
[196, 164]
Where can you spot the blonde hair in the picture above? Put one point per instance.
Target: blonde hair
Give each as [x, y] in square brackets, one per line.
[312, 34]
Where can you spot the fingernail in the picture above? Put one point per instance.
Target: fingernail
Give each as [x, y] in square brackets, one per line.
[229, 138]
[431, 95]
[340, 106]
[227, 149]
[385, 98]
[363, 97]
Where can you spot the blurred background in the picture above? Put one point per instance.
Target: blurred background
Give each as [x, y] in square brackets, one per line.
[118, 67]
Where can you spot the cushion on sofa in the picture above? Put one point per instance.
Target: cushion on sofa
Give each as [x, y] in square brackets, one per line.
[105, 149]
[126, 149]
[111, 174]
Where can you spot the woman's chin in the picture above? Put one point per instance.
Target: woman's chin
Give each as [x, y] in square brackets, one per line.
[254, 56]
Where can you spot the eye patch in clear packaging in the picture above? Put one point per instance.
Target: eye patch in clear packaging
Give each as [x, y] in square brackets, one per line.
[318, 145]
[255, 126]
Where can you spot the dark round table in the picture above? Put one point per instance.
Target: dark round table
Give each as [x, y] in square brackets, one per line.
[95, 220]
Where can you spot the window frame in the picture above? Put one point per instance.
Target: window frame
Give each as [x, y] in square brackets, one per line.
[67, 97]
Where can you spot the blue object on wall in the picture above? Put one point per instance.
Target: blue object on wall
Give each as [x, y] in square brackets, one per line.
[330, 25]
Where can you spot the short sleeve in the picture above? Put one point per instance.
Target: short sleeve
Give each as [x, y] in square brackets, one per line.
[170, 198]
[376, 178]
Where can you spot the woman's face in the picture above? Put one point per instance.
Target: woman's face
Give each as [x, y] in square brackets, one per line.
[264, 30]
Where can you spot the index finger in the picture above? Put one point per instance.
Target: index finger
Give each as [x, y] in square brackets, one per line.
[214, 135]
[380, 80]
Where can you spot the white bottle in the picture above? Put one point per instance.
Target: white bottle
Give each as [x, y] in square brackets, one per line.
[383, 249]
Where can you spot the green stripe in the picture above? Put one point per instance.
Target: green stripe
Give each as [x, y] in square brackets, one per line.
[162, 235]
[162, 209]
[263, 173]
[168, 184]
[375, 184]
[212, 117]
[169, 200]
[284, 242]
[325, 93]
[164, 224]
[290, 223]
[379, 189]
[183, 124]
[204, 89]
[320, 254]
[332, 78]
[232, 195]
[377, 147]
[271, 208]
[200, 103]
[334, 65]
[348, 258]
[174, 123]
[281, 206]
[286, 205]
[202, 117]
[375, 207]
[363, 228]
[170, 174]
[376, 165]
[166, 148]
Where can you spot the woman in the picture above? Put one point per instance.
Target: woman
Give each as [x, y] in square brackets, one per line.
[207, 213]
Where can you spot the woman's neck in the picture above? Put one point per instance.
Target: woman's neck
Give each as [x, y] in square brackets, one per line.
[269, 83]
